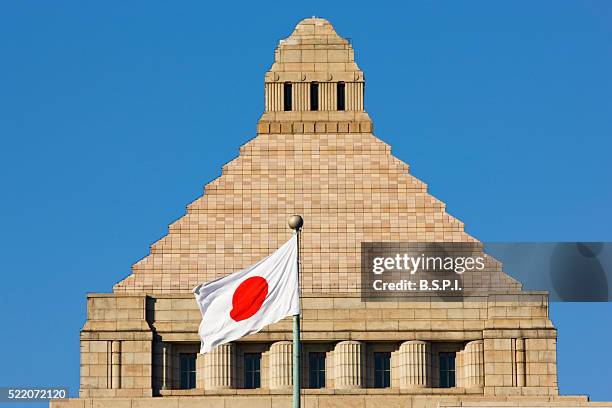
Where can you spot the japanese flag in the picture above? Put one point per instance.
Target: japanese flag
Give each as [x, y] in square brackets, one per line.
[245, 301]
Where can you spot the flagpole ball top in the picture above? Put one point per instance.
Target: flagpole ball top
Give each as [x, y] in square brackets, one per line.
[296, 222]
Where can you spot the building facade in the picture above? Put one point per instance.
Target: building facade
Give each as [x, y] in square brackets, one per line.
[315, 155]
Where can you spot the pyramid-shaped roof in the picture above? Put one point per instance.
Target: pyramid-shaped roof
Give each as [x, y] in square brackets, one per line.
[325, 165]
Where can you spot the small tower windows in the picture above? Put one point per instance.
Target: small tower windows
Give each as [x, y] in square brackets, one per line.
[287, 96]
[341, 105]
[314, 96]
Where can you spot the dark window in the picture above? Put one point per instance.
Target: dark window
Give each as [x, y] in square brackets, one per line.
[341, 102]
[382, 370]
[447, 370]
[187, 365]
[287, 95]
[314, 96]
[316, 368]
[252, 370]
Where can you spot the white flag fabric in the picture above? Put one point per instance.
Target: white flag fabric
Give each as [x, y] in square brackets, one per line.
[245, 301]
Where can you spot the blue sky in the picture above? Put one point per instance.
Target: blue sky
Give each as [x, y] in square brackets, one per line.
[114, 115]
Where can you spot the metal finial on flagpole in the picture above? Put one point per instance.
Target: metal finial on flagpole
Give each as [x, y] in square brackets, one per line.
[295, 223]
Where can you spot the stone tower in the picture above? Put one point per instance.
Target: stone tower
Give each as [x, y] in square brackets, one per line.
[315, 155]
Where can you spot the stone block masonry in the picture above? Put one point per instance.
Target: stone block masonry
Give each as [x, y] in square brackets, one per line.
[314, 154]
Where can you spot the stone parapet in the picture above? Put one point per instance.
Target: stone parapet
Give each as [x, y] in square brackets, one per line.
[116, 347]
[314, 127]
[316, 398]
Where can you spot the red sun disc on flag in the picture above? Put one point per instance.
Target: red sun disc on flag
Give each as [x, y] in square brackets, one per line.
[248, 298]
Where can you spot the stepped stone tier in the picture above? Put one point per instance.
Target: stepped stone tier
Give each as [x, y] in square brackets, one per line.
[315, 155]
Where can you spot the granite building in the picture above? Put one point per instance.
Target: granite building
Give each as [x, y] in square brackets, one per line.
[315, 155]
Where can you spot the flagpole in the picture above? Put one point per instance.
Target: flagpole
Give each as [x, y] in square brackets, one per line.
[295, 223]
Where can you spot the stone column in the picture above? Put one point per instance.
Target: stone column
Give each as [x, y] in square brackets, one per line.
[281, 365]
[415, 364]
[327, 96]
[220, 367]
[200, 371]
[166, 366]
[459, 369]
[116, 364]
[349, 364]
[301, 96]
[473, 364]
[520, 362]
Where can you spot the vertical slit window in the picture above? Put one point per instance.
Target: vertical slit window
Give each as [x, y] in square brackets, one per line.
[341, 96]
[314, 96]
[287, 96]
